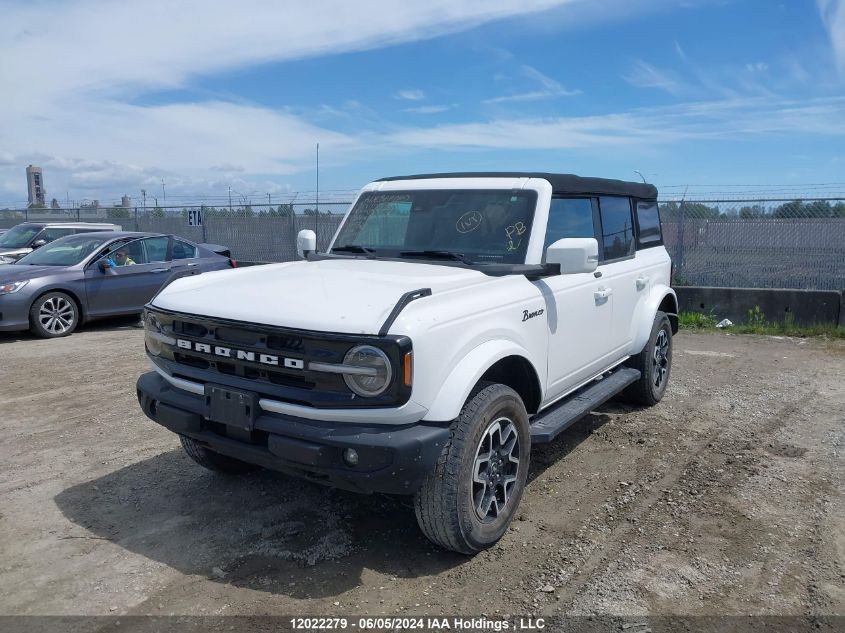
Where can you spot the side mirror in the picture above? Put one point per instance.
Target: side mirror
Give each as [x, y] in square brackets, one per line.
[103, 264]
[306, 242]
[574, 254]
[39, 243]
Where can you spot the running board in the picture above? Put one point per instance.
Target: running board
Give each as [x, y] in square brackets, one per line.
[547, 425]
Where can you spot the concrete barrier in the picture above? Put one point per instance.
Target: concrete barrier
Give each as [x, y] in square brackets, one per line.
[803, 307]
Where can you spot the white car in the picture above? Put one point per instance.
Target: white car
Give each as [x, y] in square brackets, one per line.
[455, 320]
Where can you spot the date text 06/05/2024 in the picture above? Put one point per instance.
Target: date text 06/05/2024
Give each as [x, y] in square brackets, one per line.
[416, 623]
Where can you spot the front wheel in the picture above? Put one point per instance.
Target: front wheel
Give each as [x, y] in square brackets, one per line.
[654, 363]
[53, 315]
[468, 501]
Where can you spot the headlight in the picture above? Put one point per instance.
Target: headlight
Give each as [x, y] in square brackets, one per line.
[6, 260]
[154, 334]
[376, 372]
[7, 288]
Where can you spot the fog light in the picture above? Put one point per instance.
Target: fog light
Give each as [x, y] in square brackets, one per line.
[350, 456]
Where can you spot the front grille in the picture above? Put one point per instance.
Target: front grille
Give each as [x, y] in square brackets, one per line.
[270, 361]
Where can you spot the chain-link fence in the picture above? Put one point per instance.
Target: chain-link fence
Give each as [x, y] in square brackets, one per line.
[729, 243]
[759, 244]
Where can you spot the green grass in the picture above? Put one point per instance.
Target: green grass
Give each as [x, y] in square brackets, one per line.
[759, 325]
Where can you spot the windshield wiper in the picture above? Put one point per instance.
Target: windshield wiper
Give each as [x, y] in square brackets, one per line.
[429, 254]
[353, 248]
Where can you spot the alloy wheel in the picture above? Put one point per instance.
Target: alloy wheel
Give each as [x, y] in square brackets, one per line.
[660, 359]
[495, 469]
[56, 315]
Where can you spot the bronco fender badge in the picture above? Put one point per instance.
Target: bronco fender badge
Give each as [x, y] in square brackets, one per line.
[530, 315]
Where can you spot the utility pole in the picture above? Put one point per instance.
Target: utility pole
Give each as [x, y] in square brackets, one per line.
[317, 202]
[230, 199]
[163, 192]
[144, 196]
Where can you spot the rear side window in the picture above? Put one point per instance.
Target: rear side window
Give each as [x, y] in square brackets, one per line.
[569, 217]
[648, 224]
[617, 227]
[183, 250]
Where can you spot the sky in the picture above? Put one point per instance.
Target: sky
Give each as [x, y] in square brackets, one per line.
[188, 99]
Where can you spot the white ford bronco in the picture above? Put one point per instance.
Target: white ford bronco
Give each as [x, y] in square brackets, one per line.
[454, 321]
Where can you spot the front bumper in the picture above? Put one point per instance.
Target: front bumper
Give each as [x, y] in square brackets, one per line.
[391, 459]
[14, 311]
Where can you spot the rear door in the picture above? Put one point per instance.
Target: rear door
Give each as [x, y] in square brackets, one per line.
[620, 271]
[124, 288]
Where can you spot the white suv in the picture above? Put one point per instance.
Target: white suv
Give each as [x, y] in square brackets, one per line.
[455, 320]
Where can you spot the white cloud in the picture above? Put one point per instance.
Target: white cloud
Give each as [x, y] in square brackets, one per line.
[644, 75]
[833, 16]
[410, 95]
[727, 119]
[429, 109]
[550, 89]
[92, 58]
[759, 67]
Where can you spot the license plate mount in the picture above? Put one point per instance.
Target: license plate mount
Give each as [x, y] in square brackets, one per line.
[232, 407]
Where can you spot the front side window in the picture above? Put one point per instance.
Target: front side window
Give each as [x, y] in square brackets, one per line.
[569, 217]
[617, 227]
[126, 253]
[482, 226]
[156, 249]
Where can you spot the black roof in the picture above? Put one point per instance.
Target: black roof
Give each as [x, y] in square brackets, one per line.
[561, 183]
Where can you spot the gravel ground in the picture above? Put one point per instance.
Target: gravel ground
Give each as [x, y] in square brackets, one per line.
[727, 498]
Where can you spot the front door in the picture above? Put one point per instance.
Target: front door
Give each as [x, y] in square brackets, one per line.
[580, 305]
[136, 271]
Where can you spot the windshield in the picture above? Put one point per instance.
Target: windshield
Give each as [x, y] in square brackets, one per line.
[65, 251]
[471, 225]
[20, 236]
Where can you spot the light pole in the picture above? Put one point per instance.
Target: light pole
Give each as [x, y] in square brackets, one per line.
[163, 192]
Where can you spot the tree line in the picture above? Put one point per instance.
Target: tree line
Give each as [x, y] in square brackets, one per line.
[674, 211]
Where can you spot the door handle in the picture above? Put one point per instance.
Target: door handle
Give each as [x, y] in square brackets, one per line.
[192, 265]
[642, 282]
[602, 294]
[160, 270]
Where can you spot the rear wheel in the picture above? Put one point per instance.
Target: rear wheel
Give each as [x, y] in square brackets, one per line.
[53, 315]
[654, 363]
[214, 461]
[468, 501]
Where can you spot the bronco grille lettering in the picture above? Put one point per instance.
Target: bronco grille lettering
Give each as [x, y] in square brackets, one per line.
[239, 354]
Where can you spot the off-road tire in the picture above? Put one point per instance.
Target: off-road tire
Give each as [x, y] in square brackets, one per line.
[646, 391]
[215, 461]
[444, 504]
[56, 303]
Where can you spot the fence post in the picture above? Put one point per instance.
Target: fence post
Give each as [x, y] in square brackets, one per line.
[681, 232]
[202, 217]
[136, 219]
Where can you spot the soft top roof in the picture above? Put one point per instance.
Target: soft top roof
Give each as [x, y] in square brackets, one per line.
[561, 183]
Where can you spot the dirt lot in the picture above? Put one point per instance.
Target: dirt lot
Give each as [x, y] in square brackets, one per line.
[727, 498]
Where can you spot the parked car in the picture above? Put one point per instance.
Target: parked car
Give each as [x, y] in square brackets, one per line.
[455, 321]
[83, 277]
[26, 237]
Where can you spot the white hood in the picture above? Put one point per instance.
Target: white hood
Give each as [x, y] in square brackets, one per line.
[352, 296]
